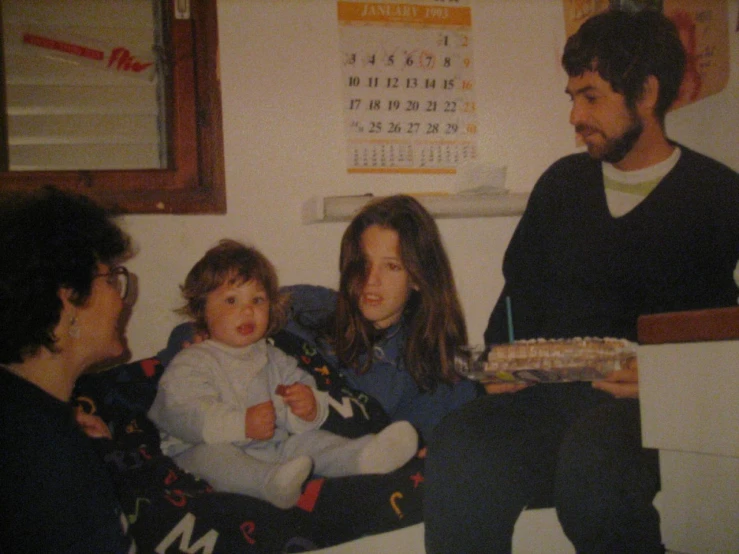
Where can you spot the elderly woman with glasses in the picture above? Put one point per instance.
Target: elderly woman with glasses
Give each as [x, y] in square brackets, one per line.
[61, 299]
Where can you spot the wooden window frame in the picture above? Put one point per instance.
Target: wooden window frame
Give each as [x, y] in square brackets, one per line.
[196, 182]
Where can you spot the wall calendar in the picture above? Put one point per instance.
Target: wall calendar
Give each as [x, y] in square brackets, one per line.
[409, 88]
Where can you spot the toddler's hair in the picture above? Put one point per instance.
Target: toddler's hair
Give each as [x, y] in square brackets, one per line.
[232, 262]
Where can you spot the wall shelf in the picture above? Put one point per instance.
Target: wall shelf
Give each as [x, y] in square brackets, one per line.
[343, 208]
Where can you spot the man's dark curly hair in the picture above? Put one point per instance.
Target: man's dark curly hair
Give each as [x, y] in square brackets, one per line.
[625, 48]
[49, 240]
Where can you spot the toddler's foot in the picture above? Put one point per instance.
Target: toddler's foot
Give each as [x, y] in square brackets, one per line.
[389, 449]
[284, 486]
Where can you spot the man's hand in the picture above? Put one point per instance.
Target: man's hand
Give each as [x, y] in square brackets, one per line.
[621, 384]
[501, 388]
[260, 421]
[301, 401]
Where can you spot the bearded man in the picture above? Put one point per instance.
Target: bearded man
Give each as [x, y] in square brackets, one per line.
[636, 225]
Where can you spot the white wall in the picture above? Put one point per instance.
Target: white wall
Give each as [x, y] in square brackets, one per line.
[284, 143]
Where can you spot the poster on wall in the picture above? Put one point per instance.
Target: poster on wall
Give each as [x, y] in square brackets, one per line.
[409, 87]
[704, 31]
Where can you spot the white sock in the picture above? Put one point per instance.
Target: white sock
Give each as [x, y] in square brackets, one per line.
[284, 486]
[389, 449]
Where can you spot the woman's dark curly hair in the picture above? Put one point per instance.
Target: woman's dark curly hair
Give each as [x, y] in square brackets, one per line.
[49, 240]
[232, 262]
[625, 48]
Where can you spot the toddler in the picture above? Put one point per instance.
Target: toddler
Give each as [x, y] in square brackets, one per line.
[237, 411]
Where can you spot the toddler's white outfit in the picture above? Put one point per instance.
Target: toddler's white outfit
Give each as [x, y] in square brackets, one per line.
[200, 411]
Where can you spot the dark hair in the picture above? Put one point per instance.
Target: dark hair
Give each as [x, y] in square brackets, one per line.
[433, 313]
[49, 240]
[231, 261]
[624, 49]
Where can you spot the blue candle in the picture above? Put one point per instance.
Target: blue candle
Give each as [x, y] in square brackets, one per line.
[509, 314]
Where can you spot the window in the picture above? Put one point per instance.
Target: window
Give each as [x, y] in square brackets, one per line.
[172, 163]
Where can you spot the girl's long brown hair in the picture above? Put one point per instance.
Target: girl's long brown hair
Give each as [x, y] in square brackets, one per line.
[433, 315]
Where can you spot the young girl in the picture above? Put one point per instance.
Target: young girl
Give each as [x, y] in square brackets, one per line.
[396, 321]
[237, 411]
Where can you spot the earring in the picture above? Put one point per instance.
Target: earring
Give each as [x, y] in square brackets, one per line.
[74, 330]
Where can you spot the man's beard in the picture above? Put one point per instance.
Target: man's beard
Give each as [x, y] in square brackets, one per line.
[615, 149]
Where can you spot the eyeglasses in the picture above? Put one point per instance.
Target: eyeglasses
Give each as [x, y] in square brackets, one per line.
[117, 277]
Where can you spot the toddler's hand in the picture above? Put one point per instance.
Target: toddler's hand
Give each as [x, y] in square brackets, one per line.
[260, 421]
[301, 400]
